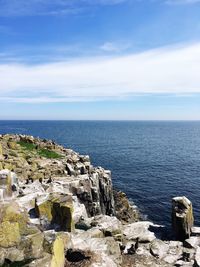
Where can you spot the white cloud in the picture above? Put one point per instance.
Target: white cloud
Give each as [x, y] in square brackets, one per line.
[167, 70]
[114, 47]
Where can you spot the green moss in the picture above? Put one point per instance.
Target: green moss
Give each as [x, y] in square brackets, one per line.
[43, 152]
[49, 154]
[27, 146]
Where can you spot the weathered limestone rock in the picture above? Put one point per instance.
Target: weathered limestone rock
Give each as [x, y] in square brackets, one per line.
[197, 258]
[1, 151]
[103, 248]
[55, 212]
[8, 184]
[58, 259]
[9, 234]
[35, 245]
[60, 189]
[12, 145]
[192, 242]
[138, 230]
[45, 261]
[182, 217]
[195, 231]
[174, 253]
[125, 212]
[14, 255]
[110, 226]
[12, 213]
[159, 248]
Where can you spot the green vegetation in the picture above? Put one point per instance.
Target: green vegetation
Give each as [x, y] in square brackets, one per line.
[49, 154]
[27, 146]
[43, 152]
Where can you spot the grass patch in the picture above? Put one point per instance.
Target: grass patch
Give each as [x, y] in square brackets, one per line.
[43, 152]
[49, 154]
[27, 146]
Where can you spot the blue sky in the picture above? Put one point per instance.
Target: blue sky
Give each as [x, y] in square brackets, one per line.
[100, 59]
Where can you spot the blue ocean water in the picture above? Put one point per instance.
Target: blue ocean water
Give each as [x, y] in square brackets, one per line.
[150, 161]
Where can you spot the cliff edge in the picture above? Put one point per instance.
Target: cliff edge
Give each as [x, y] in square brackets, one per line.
[57, 209]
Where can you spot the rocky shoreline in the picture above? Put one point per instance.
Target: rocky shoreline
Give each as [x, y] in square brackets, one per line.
[57, 210]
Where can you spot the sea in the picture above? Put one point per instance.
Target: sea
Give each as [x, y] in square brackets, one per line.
[151, 161]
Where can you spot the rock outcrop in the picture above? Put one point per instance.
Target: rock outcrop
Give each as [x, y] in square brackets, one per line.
[53, 205]
[182, 217]
[57, 210]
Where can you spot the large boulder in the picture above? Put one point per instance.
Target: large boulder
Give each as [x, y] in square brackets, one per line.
[55, 211]
[138, 231]
[9, 186]
[159, 248]
[58, 259]
[106, 250]
[9, 234]
[182, 217]
[15, 216]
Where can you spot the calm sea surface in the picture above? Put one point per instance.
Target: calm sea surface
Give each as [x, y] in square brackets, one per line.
[150, 161]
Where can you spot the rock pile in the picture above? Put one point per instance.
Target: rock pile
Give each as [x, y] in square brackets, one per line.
[58, 210]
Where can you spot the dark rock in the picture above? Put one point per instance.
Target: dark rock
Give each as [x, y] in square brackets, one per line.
[182, 217]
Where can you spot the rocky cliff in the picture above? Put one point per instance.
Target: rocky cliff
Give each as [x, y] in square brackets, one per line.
[57, 210]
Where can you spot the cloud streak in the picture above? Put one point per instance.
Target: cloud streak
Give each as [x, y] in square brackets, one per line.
[173, 70]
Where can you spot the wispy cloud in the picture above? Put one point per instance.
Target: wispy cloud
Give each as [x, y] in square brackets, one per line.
[114, 47]
[165, 70]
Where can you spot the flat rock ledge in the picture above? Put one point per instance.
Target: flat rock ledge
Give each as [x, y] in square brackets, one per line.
[57, 210]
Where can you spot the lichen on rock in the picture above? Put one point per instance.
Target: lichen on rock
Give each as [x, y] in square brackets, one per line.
[58, 210]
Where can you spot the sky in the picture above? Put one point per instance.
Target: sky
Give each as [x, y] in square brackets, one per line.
[100, 59]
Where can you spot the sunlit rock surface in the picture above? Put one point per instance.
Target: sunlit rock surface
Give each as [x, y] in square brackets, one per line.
[57, 210]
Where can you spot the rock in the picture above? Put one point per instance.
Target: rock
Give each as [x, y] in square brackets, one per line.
[15, 255]
[55, 212]
[91, 233]
[159, 248]
[1, 152]
[35, 245]
[138, 230]
[8, 184]
[13, 213]
[171, 259]
[2, 255]
[110, 226]
[45, 261]
[9, 234]
[101, 247]
[12, 145]
[192, 242]
[130, 248]
[79, 210]
[175, 251]
[182, 217]
[70, 170]
[197, 258]
[125, 212]
[195, 231]
[58, 259]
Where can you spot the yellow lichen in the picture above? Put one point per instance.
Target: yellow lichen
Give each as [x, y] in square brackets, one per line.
[9, 234]
[58, 259]
[45, 209]
[1, 150]
[13, 214]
